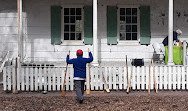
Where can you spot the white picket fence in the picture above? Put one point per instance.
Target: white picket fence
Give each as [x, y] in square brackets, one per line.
[51, 78]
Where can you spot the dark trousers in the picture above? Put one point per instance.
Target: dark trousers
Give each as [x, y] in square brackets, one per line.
[79, 87]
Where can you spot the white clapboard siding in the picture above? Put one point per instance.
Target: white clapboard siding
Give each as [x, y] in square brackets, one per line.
[52, 78]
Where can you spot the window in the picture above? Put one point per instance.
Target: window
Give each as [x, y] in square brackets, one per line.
[128, 24]
[72, 24]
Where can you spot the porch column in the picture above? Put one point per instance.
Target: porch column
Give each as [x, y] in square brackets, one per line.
[95, 40]
[20, 29]
[170, 33]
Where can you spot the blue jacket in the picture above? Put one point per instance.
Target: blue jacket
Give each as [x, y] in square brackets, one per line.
[79, 65]
[165, 41]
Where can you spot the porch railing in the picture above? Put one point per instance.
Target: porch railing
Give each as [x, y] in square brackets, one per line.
[51, 78]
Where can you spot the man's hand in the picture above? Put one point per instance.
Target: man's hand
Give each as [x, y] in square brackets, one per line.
[68, 52]
[89, 50]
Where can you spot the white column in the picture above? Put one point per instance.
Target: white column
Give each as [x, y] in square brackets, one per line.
[184, 52]
[170, 33]
[95, 40]
[20, 29]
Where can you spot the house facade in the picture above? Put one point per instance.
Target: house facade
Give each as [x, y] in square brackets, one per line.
[53, 27]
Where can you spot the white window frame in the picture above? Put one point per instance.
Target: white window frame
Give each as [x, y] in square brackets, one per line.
[128, 42]
[72, 42]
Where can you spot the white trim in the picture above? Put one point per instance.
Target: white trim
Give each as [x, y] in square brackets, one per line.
[72, 42]
[128, 42]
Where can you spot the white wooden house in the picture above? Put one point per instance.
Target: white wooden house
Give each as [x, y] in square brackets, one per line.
[45, 30]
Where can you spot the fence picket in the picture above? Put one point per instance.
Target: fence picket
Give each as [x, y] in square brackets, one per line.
[165, 77]
[183, 78]
[92, 78]
[179, 77]
[138, 78]
[13, 79]
[147, 76]
[22, 79]
[143, 77]
[36, 79]
[174, 78]
[27, 78]
[157, 76]
[101, 78]
[151, 77]
[54, 79]
[5, 78]
[50, 79]
[114, 77]
[71, 79]
[160, 77]
[125, 78]
[110, 77]
[31, 79]
[45, 78]
[121, 70]
[40, 78]
[187, 77]
[169, 77]
[18, 79]
[9, 78]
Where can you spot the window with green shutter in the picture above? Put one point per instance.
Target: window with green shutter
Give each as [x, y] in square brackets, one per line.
[55, 25]
[88, 25]
[145, 33]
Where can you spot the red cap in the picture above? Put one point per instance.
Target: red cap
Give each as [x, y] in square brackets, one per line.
[79, 52]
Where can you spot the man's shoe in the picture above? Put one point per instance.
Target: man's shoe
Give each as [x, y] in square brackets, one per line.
[80, 101]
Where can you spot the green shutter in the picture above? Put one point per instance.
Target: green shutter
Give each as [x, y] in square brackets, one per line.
[111, 24]
[56, 25]
[145, 34]
[88, 25]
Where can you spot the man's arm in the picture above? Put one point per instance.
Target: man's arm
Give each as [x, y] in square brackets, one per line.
[90, 59]
[68, 60]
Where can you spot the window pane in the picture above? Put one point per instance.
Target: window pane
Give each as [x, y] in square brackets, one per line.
[122, 36]
[66, 19]
[78, 17]
[66, 28]
[128, 11]
[66, 36]
[72, 36]
[122, 18]
[78, 36]
[128, 28]
[128, 19]
[134, 28]
[122, 11]
[134, 19]
[72, 19]
[134, 36]
[128, 36]
[72, 28]
[66, 11]
[72, 11]
[78, 11]
[134, 11]
[78, 26]
[122, 27]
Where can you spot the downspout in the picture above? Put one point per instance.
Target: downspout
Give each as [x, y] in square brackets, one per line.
[170, 34]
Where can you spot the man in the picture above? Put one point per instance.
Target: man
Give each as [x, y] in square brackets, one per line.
[175, 37]
[79, 65]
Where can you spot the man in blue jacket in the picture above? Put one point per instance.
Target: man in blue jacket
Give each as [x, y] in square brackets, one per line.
[79, 65]
[175, 37]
